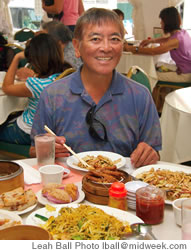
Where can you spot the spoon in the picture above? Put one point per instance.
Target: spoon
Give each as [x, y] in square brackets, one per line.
[139, 232]
[143, 229]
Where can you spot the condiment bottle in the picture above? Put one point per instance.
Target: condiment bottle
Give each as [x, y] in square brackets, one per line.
[118, 196]
[150, 204]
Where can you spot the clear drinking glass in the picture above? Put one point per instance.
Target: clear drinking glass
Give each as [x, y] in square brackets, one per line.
[45, 149]
[186, 219]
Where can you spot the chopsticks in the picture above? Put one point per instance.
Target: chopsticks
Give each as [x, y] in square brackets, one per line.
[69, 149]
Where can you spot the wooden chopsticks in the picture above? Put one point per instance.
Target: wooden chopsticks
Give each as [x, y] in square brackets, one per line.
[69, 149]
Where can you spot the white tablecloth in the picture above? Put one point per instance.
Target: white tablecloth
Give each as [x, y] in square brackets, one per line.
[146, 62]
[176, 126]
[167, 230]
[9, 104]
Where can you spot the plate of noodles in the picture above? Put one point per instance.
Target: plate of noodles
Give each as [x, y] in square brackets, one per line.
[96, 159]
[9, 219]
[175, 180]
[84, 222]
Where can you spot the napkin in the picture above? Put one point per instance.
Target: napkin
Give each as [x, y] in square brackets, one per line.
[31, 175]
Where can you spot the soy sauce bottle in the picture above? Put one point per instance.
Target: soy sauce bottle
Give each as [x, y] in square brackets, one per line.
[118, 196]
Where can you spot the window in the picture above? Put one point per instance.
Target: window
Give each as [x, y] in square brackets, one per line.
[23, 15]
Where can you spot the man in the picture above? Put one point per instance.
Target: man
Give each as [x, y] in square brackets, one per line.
[97, 108]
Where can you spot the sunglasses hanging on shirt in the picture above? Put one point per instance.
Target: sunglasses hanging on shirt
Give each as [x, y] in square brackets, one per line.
[96, 128]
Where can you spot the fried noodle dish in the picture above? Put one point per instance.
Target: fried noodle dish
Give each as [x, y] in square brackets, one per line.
[176, 184]
[85, 223]
[97, 162]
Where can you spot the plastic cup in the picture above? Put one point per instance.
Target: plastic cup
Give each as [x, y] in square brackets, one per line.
[51, 174]
[186, 219]
[45, 149]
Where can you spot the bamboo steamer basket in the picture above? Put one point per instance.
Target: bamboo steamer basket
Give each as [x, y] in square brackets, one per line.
[11, 176]
[24, 232]
[98, 193]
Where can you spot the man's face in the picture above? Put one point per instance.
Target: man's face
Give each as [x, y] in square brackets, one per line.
[100, 48]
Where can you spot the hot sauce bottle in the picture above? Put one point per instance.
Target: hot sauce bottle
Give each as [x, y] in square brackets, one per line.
[118, 196]
[150, 204]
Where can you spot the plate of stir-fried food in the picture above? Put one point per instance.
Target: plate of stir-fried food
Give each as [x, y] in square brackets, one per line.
[175, 180]
[84, 222]
[96, 160]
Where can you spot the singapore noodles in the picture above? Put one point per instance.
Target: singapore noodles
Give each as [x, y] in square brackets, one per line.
[85, 223]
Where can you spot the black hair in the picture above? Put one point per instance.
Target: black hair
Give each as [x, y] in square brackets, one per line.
[171, 18]
[119, 12]
[45, 55]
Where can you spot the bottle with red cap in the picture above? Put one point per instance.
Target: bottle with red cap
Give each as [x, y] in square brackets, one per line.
[118, 196]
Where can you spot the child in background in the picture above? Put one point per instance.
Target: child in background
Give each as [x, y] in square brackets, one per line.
[46, 57]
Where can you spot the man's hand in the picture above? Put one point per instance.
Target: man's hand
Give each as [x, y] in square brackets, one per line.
[60, 150]
[144, 155]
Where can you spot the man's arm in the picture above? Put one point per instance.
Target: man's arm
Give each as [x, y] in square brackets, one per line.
[149, 137]
[56, 8]
[81, 8]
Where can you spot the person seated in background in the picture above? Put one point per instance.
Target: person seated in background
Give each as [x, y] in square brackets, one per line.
[6, 54]
[119, 13]
[46, 58]
[121, 16]
[178, 43]
[97, 108]
[64, 36]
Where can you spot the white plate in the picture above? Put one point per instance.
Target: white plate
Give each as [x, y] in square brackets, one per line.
[12, 216]
[162, 166]
[42, 200]
[72, 161]
[28, 209]
[119, 214]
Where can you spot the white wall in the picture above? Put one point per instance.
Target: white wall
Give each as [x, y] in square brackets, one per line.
[145, 16]
[151, 10]
[149, 15]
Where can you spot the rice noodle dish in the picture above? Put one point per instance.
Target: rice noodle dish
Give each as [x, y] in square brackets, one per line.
[85, 223]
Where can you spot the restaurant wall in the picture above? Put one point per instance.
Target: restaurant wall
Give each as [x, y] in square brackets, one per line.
[145, 16]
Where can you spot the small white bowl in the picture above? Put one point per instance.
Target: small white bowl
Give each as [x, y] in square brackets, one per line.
[176, 204]
[66, 173]
[133, 207]
[131, 198]
[132, 186]
[131, 202]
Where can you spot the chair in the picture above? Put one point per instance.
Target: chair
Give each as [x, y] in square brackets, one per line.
[14, 151]
[24, 34]
[16, 48]
[66, 72]
[159, 91]
[139, 75]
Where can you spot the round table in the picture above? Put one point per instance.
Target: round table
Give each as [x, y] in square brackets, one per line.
[176, 126]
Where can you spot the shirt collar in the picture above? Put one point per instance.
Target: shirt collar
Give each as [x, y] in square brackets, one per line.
[116, 87]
